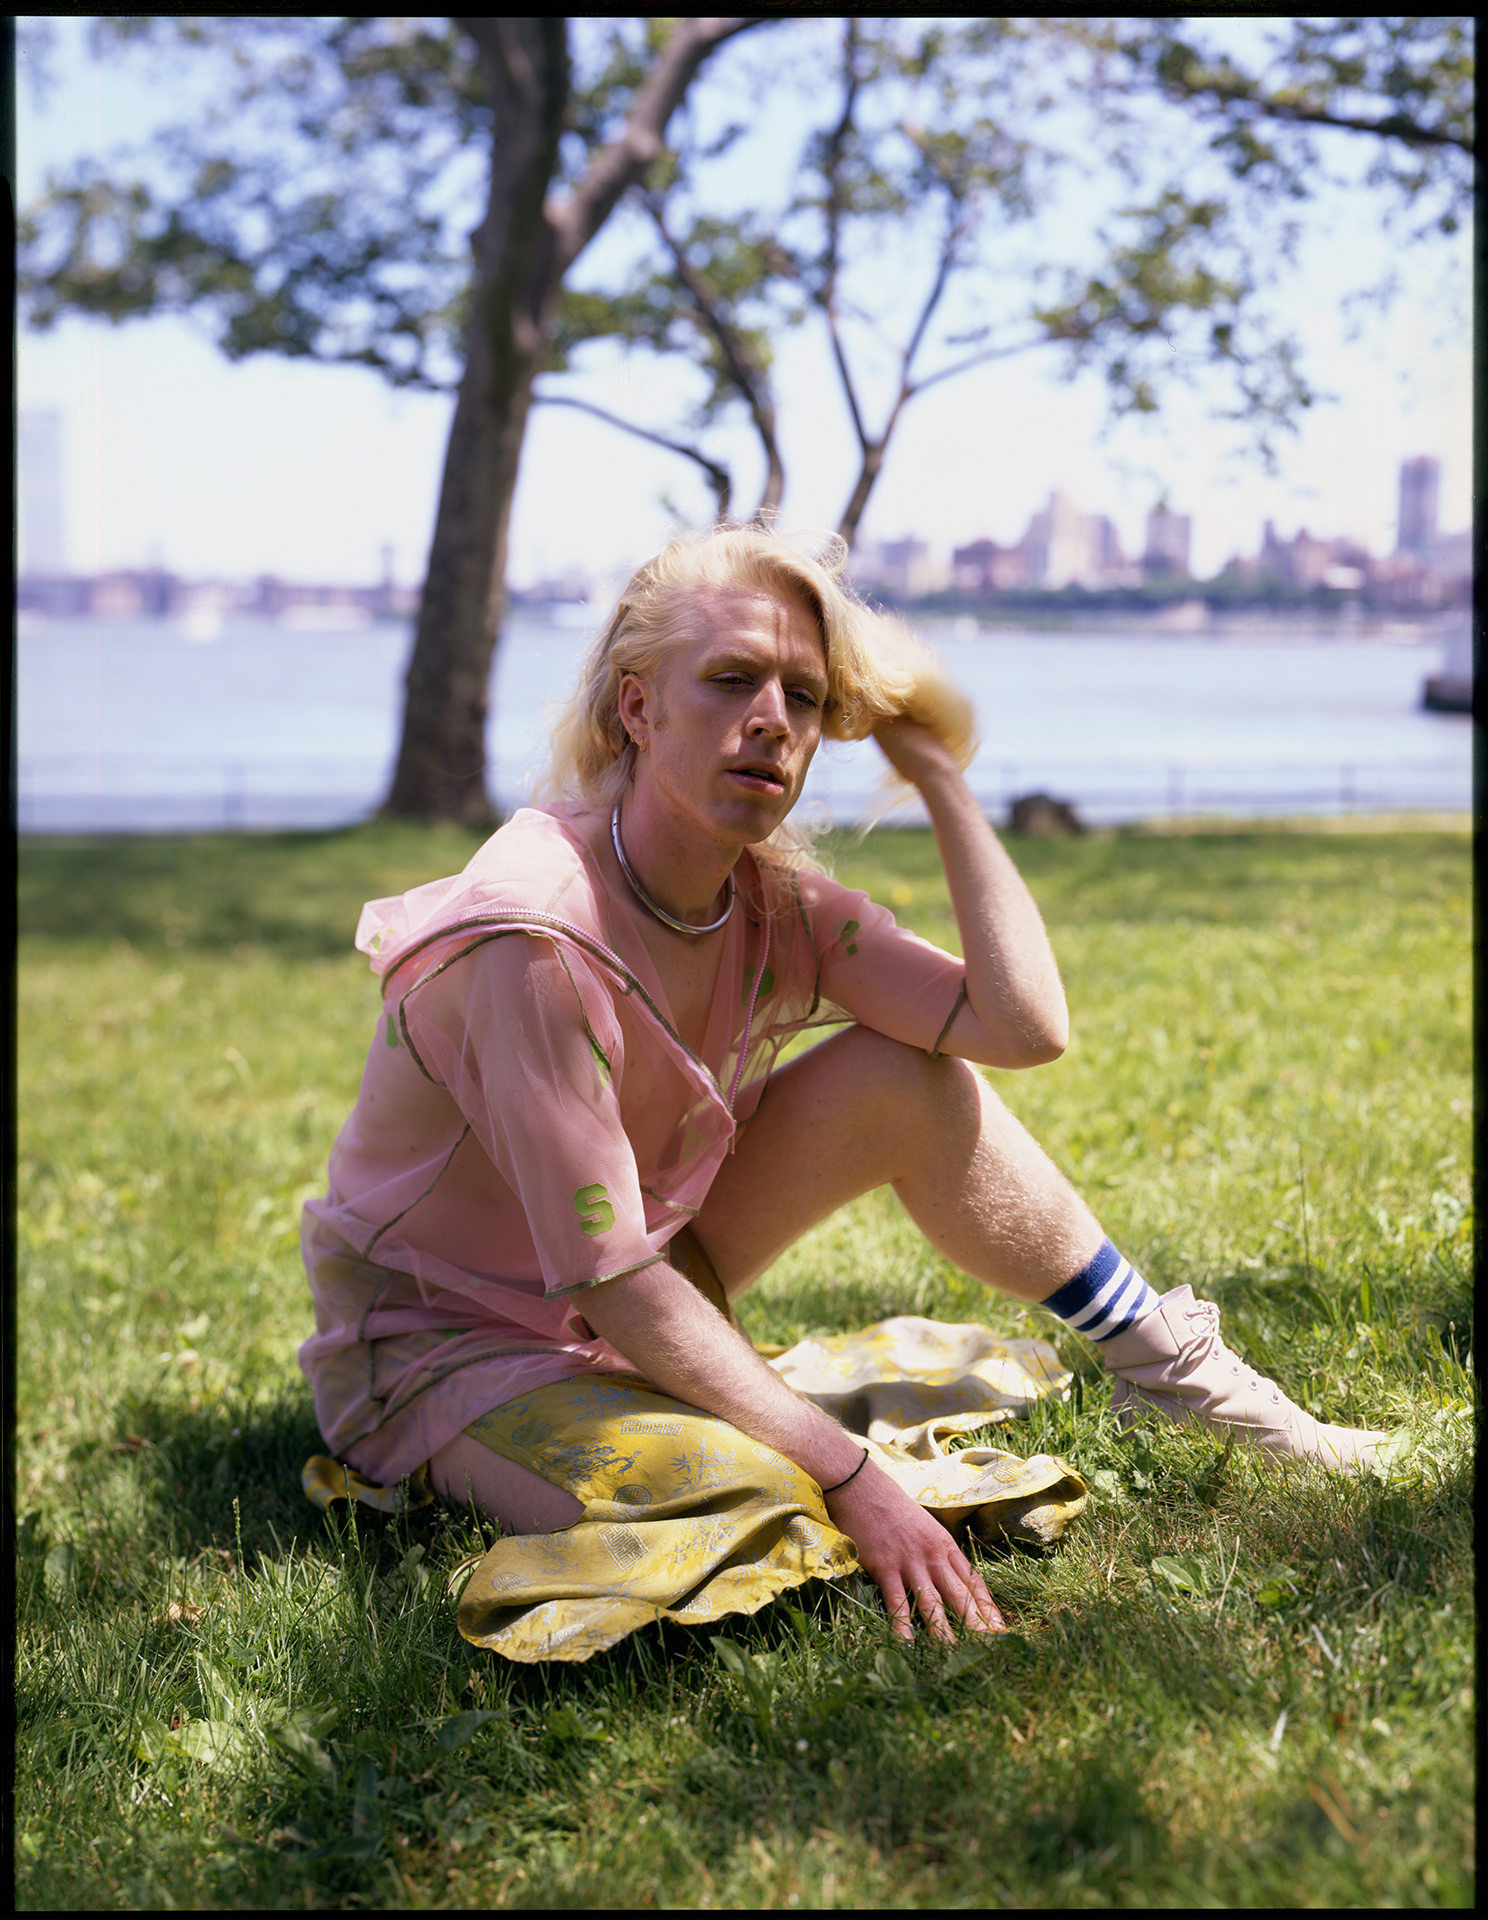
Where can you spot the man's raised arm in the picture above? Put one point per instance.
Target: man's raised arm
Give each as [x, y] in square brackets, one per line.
[1015, 1013]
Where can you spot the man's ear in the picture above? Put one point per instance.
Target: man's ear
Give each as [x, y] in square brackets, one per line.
[630, 698]
[639, 707]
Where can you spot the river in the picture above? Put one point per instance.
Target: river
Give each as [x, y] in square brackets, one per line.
[148, 727]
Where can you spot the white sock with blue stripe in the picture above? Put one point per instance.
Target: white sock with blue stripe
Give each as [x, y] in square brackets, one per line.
[1105, 1298]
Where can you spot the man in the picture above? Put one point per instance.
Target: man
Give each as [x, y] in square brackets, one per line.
[571, 1099]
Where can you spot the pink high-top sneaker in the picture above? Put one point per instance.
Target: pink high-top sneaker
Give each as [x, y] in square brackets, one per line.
[1174, 1364]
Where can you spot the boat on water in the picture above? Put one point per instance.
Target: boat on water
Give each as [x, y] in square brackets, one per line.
[1451, 690]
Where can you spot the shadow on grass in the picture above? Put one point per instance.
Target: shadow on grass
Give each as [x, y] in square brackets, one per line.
[176, 1482]
[300, 893]
[228, 1471]
[297, 893]
[1038, 1774]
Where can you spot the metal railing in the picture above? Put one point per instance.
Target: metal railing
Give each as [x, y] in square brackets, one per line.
[122, 793]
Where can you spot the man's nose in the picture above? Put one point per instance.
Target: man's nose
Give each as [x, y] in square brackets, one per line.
[769, 714]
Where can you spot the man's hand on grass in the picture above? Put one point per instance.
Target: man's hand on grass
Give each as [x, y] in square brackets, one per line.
[911, 1558]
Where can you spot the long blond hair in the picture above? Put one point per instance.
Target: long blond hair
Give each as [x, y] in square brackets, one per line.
[876, 667]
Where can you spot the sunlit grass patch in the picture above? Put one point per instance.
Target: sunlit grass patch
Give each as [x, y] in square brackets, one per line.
[1230, 1685]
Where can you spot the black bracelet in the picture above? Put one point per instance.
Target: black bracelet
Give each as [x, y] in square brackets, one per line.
[852, 1476]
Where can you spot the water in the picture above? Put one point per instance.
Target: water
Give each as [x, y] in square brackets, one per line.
[145, 727]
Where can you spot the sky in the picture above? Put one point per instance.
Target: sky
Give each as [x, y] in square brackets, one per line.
[172, 455]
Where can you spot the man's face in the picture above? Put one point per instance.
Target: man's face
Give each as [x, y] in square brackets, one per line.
[733, 719]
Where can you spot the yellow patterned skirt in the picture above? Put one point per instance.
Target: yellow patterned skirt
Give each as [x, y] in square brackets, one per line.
[686, 1518]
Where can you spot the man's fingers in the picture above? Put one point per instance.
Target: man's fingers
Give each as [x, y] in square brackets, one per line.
[932, 1611]
[966, 1596]
[940, 1627]
[929, 1575]
[975, 1604]
[977, 1610]
[951, 1594]
[981, 1608]
[897, 1605]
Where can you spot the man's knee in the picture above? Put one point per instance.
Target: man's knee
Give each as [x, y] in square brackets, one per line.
[934, 1096]
[934, 1107]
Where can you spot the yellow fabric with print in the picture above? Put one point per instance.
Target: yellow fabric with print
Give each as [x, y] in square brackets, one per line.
[686, 1518]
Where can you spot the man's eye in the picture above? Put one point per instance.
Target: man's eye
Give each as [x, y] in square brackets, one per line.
[804, 697]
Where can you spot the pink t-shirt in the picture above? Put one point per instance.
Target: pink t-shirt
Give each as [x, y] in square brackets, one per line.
[531, 1124]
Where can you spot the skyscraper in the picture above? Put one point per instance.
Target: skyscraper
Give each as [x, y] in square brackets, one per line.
[1064, 547]
[1168, 538]
[1420, 483]
[43, 531]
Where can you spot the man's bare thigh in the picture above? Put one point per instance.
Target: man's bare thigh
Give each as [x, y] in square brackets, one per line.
[834, 1123]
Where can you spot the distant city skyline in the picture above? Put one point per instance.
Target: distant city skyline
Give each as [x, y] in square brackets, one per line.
[1061, 546]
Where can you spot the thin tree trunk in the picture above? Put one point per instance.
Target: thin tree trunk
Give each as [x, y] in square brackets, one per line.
[441, 771]
[868, 472]
[523, 248]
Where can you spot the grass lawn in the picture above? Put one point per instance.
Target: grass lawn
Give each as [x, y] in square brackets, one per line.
[1228, 1687]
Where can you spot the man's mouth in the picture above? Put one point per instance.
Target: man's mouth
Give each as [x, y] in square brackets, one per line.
[759, 777]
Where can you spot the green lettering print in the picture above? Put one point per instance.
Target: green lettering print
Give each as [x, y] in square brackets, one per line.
[592, 1205]
[847, 935]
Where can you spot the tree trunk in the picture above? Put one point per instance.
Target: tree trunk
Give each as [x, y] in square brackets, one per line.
[523, 248]
[868, 472]
[441, 770]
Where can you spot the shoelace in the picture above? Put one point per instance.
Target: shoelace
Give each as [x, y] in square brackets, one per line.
[1207, 1315]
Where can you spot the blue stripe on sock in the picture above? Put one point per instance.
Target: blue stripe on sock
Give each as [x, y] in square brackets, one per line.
[1105, 1297]
[1125, 1308]
[1080, 1292]
[1111, 1304]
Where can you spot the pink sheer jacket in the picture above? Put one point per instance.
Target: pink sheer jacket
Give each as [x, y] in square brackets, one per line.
[530, 1123]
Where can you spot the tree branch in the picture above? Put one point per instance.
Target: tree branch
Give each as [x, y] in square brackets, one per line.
[575, 221]
[927, 313]
[875, 450]
[1394, 126]
[743, 368]
[976, 360]
[718, 477]
[831, 163]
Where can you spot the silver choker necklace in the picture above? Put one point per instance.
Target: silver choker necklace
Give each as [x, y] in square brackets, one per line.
[677, 926]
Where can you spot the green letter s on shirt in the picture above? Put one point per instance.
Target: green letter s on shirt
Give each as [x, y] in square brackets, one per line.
[592, 1205]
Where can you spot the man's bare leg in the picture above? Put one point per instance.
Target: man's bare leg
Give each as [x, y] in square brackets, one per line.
[517, 1499]
[860, 1111]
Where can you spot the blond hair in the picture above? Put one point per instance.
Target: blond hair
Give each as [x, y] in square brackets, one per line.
[876, 667]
